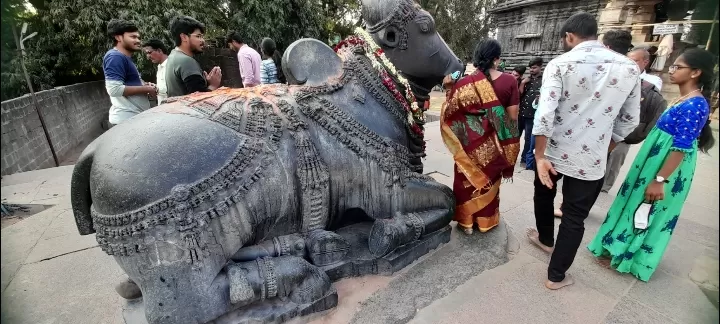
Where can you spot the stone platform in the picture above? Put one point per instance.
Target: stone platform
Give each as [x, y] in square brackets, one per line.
[50, 274]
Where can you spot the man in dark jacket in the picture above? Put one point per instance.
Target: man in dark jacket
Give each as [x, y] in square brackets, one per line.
[651, 107]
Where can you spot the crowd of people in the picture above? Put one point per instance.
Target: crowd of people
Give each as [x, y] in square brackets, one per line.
[178, 73]
[580, 116]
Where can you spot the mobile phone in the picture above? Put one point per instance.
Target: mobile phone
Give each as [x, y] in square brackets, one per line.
[455, 75]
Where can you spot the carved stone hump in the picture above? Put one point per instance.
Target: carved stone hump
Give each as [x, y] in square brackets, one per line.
[310, 62]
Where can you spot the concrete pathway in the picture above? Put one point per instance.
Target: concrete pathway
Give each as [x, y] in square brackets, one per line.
[683, 290]
[50, 274]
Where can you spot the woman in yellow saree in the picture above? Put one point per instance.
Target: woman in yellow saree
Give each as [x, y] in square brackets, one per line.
[479, 127]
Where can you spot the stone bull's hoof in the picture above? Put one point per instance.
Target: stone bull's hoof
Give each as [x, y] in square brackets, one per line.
[388, 234]
[128, 289]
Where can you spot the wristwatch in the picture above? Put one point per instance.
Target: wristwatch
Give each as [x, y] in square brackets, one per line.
[661, 179]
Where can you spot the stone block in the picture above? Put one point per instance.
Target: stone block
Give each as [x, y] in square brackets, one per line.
[436, 276]
[704, 273]
[613, 16]
[71, 113]
[629, 310]
[514, 293]
[65, 281]
[60, 238]
[694, 308]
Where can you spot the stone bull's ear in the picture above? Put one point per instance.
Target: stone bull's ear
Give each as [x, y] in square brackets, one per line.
[310, 62]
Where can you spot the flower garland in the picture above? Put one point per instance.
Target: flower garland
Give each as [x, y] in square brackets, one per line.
[386, 71]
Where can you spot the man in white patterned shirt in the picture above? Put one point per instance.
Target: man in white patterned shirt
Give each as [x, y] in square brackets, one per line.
[589, 100]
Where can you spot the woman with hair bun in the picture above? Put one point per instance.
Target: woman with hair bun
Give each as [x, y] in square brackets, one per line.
[659, 181]
[479, 127]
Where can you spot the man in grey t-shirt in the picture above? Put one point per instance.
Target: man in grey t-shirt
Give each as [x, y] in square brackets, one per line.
[183, 74]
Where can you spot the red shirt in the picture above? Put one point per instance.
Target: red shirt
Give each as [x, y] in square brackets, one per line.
[506, 89]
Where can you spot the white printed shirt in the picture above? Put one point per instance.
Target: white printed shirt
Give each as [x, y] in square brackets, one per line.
[588, 96]
[161, 84]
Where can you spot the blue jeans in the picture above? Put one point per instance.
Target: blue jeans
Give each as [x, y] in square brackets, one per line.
[526, 126]
[530, 155]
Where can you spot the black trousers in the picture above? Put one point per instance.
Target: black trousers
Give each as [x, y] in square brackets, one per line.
[578, 198]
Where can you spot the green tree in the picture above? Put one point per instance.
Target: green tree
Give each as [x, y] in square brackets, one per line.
[461, 23]
[72, 36]
[282, 20]
[13, 81]
[340, 17]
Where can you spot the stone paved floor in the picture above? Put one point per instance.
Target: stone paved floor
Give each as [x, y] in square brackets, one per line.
[513, 293]
[50, 274]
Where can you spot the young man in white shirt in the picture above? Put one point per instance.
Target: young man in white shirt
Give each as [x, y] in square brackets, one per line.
[589, 100]
[156, 52]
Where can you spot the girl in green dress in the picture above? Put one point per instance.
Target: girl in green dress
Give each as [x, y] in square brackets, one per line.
[661, 174]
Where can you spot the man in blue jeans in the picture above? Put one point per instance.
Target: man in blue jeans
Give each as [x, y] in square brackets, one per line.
[530, 155]
[529, 93]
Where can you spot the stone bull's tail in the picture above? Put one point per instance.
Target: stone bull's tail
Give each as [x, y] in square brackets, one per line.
[80, 191]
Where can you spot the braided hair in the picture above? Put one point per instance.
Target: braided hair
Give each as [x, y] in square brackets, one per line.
[486, 52]
[704, 61]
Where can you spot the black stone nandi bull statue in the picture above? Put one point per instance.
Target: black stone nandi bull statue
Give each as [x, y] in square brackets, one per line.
[243, 205]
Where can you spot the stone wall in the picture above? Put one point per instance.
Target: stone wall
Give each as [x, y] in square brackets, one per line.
[73, 116]
[226, 59]
[532, 28]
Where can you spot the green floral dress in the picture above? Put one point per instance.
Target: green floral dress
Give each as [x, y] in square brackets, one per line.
[639, 252]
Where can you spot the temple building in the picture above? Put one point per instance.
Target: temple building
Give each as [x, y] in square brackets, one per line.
[529, 28]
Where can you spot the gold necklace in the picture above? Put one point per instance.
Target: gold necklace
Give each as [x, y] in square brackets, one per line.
[684, 97]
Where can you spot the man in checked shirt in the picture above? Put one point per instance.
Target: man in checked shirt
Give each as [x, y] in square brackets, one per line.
[589, 101]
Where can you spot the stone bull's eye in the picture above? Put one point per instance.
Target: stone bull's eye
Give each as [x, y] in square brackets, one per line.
[390, 36]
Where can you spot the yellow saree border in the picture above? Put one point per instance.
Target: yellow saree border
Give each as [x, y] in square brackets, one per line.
[476, 177]
[487, 223]
[482, 92]
[472, 206]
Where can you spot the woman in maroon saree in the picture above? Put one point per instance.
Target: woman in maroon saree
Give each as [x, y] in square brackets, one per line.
[479, 127]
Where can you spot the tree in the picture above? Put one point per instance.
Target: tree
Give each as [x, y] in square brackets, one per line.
[72, 37]
[461, 23]
[13, 81]
[282, 20]
[340, 18]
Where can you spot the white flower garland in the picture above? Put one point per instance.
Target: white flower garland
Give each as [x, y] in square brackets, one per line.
[389, 68]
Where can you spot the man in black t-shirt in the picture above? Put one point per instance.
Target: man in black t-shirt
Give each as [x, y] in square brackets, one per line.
[529, 92]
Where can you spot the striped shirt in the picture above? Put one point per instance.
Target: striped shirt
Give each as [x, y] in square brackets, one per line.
[268, 72]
